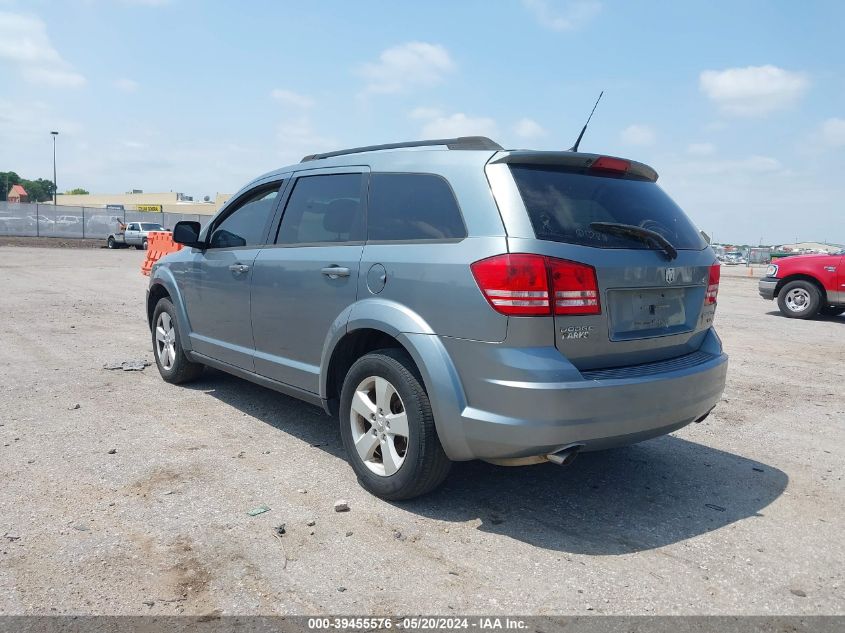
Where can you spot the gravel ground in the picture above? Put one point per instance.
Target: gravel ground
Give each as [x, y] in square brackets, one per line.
[125, 495]
[51, 242]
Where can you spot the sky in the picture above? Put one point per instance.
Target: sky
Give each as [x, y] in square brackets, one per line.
[739, 106]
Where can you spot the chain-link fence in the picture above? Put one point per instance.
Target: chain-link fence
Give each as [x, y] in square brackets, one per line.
[47, 220]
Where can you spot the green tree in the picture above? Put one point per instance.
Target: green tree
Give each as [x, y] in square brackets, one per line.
[7, 179]
[38, 190]
[78, 191]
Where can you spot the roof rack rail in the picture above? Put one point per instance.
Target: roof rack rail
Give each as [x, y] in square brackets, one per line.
[462, 142]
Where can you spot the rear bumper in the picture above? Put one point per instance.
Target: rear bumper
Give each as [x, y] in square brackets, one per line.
[548, 403]
[766, 287]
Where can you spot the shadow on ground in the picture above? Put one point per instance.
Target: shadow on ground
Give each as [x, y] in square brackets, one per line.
[614, 502]
[818, 317]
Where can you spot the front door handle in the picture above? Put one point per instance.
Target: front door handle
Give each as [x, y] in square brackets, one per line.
[333, 272]
[239, 268]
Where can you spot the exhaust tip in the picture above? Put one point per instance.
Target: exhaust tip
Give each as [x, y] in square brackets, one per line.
[566, 455]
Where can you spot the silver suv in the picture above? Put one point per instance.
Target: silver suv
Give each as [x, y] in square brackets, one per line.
[452, 300]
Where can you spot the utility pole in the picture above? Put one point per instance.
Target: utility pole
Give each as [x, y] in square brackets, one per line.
[55, 184]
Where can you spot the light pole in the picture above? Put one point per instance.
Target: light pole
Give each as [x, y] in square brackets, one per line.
[55, 185]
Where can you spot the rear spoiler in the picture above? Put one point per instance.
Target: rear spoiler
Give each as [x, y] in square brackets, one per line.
[577, 160]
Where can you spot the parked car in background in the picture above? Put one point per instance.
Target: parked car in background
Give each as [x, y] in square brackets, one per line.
[806, 285]
[11, 222]
[42, 221]
[513, 306]
[135, 234]
[102, 225]
[68, 224]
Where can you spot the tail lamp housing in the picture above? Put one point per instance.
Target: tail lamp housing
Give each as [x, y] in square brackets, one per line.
[713, 284]
[522, 284]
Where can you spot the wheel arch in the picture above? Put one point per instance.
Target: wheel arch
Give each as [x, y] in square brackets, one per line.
[801, 277]
[163, 285]
[376, 324]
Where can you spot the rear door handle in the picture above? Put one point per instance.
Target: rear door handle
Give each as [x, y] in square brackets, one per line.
[333, 272]
[239, 268]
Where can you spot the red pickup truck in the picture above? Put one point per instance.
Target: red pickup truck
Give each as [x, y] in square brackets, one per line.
[806, 285]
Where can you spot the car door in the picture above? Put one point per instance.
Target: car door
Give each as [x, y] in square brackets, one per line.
[216, 281]
[839, 296]
[130, 236]
[303, 283]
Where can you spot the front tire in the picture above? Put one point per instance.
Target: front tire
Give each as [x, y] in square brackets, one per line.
[172, 363]
[799, 300]
[388, 428]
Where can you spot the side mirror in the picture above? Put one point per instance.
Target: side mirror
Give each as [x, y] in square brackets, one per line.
[188, 233]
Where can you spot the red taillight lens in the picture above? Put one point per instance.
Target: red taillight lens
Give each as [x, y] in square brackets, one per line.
[713, 284]
[518, 285]
[514, 284]
[608, 163]
[575, 288]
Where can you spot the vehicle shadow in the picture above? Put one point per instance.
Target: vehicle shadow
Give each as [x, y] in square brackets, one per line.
[819, 317]
[614, 502]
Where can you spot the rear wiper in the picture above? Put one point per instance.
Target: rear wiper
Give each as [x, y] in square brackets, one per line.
[637, 232]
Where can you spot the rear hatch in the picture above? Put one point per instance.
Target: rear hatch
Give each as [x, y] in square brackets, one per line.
[652, 267]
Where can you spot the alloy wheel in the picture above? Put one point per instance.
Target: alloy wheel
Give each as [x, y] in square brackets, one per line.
[379, 426]
[165, 341]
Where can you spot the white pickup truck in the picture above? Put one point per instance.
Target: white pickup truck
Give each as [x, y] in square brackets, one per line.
[135, 234]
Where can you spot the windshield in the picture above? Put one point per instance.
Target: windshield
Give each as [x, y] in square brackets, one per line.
[562, 204]
[151, 226]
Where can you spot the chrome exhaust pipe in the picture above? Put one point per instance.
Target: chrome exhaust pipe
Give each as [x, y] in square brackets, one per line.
[566, 455]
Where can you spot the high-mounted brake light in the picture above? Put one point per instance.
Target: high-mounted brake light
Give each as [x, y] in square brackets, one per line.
[713, 284]
[608, 163]
[519, 285]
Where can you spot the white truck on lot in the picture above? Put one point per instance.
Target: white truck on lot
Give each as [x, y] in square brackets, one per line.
[133, 234]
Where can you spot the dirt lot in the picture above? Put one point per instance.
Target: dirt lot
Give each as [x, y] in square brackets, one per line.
[124, 495]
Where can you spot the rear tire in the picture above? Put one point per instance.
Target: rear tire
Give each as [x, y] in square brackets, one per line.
[832, 310]
[387, 388]
[110, 243]
[172, 363]
[799, 299]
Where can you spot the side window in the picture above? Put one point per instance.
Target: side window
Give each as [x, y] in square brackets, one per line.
[246, 224]
[412, 207]
[323, 209]
[132, 227]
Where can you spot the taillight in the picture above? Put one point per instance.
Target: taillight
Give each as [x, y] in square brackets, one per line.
[576, 290]
[514, 284]
[713, 284]
[519, 285]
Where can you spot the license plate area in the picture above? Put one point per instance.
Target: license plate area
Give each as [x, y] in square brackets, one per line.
[645, 312]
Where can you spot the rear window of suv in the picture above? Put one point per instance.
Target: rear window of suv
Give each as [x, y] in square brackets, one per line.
[562, 204]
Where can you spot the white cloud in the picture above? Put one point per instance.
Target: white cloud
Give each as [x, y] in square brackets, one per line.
[459, 124]
[24, 44]
[529, 129]
[297, 138]
[407, 66]
[292, 99]
[701, 149]
[425, 113]
[833, 132]
[753, 90]
[736, 166]
[566, 17]
[638, 134]
[126, 85]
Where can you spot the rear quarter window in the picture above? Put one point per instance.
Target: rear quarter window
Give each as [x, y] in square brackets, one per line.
[406, 207]
[562, 204]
